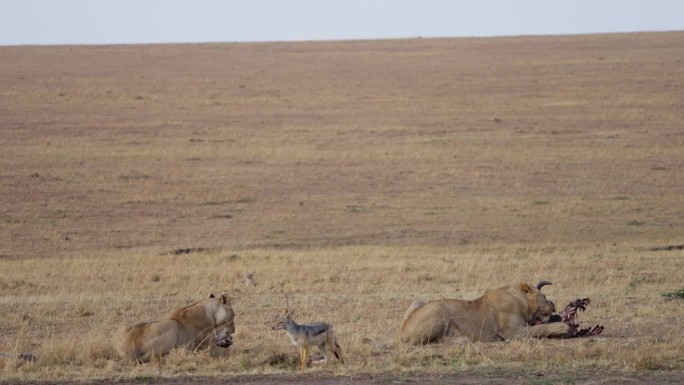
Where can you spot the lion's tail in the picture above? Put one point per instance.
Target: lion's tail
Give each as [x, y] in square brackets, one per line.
[381, 346]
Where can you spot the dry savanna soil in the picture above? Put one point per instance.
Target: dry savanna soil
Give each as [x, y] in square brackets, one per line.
[353, 177]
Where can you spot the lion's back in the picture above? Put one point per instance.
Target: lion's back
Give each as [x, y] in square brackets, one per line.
[139, 341]
[426, 322]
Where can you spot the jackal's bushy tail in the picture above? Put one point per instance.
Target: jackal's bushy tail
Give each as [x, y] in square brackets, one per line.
[335, 346]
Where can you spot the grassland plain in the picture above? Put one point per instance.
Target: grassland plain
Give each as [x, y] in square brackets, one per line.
[355, 177]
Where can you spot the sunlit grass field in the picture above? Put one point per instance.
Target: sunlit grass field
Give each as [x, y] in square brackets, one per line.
[351, 177]
[65, 310]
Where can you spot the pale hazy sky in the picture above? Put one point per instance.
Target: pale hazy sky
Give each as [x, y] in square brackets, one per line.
[168, 21]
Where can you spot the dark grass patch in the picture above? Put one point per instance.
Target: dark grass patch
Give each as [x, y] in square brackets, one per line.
[187, 250]
[679, 294]
[666, 248]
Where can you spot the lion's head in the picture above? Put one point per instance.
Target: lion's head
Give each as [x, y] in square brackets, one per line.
[223, 320]
[540, 308]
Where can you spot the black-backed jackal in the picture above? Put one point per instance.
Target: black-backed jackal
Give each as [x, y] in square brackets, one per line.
[319, 334]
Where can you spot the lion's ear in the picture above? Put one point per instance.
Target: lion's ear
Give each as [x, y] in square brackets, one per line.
[526, 288]
[211, 295]
[225, 298]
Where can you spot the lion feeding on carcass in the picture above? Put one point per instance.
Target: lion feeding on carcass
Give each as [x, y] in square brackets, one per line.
[510, 312]
[199, 325]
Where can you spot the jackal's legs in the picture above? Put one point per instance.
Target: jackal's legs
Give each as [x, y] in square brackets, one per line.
[303, 356]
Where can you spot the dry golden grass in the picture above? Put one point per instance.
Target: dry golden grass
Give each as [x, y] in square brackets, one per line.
[356, 177]
[64, 310]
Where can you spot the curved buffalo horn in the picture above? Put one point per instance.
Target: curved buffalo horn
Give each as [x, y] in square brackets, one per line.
[542, 284]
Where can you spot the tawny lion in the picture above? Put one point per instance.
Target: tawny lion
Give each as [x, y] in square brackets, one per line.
[191, 327]
[511, 312]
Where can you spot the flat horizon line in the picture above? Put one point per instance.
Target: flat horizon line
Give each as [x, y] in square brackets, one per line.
[341, 40]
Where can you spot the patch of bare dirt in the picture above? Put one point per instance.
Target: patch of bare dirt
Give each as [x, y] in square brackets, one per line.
[467, 378]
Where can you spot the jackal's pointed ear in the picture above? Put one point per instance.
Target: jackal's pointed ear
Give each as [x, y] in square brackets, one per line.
[290, 314]
[526, 288]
